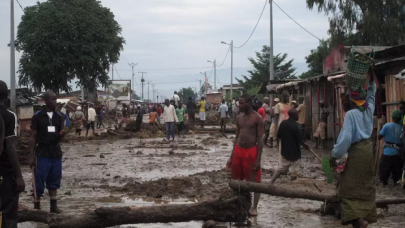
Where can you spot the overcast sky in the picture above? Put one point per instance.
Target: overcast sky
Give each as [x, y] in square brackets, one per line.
[177, 34]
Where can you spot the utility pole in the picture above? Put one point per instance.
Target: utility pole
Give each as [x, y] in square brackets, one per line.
[12, 59]
[153, 91]
[142, 81]
[200, 84]
[148, 90]
[271, 42]
[231, 46]
[112, 71]
[205, 81]
[231, 69]
[133, 76]
[215, 73]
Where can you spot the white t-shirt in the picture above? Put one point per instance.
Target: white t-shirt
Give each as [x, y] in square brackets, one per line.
[91, 115]
[176, 99]
[50, 114]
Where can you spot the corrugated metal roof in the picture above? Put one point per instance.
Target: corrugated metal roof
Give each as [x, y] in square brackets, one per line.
[388, 60]
[401, 75]
[367, 49]
[288, 84]
[330, 78]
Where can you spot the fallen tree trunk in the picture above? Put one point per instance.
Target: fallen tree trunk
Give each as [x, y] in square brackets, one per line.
[232, 209]
[273, 190]
[211, 130]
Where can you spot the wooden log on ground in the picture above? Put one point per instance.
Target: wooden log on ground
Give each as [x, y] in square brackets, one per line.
[273, 190]
[231, 209]
[213, 130]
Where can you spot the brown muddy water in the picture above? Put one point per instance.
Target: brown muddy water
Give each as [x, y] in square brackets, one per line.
[141, 173]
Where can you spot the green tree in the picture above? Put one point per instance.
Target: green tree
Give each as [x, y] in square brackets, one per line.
[205, 87]
[185, 93]
[316, 58]
[283, 70]
[64, 40]
[363, 22]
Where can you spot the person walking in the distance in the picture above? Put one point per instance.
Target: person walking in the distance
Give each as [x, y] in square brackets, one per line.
[273, 133]
[191, 108]
[223, 112]
[46, 153]
[302, 112]
[202, 111]
[281, 111]
[125, 115]
[261, 110]
[91, 117]
[100, 117]
[245, 160]
[78, 118]
[320, 133]
[170, 119]
[289, 133]
[159, 113]
[180, 117]
[13, 182]
[267, 119]
[176, 98]
[391, 162]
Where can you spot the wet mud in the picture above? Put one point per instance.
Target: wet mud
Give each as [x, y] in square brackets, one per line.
[150, 172]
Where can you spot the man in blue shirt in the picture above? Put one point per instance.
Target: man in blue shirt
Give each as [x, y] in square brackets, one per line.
[391, 161]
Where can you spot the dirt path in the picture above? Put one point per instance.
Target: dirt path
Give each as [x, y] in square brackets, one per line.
[147, 172]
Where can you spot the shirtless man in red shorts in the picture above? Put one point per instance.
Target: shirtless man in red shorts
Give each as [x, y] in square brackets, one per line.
[248, 145]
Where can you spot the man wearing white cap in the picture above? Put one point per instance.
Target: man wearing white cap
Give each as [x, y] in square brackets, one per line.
[273, 121]
[294, 104]
[320, 131]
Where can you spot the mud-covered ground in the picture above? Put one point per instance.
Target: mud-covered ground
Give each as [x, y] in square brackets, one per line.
[148, 172]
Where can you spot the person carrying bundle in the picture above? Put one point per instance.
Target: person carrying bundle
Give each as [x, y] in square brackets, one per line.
[352, 154]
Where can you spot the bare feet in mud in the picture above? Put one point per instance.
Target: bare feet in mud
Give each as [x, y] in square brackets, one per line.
[253, 212]
[360, 223]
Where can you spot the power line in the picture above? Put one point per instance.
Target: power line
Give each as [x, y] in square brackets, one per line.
[174, 82]
[226, 56]
[117, 72]
[187, 68]
[20, 6]
[264, 7]
[295, 21]
[126, 59]
[211, 72]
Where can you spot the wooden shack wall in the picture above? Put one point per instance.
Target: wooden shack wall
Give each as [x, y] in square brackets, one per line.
[394, 92]
[310, 91]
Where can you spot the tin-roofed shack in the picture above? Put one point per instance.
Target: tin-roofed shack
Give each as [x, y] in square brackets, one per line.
[331, 86]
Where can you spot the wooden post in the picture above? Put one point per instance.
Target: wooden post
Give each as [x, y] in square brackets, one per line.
[326, 127]
[312, 124]
[334, 112]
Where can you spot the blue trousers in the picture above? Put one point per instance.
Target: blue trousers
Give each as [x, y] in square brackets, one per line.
[48, 174]
[169, 130]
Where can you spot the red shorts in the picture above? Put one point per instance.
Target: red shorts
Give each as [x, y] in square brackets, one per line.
[242, 164]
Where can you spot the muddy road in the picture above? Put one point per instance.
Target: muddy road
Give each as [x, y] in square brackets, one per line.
[148, 172]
